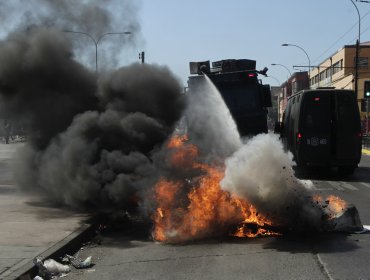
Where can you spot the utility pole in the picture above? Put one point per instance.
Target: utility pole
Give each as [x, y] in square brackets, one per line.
[357, 49]
[142, 57]
[367, 116]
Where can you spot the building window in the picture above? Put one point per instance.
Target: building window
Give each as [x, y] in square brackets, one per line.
[362, 62]
[338, 66]
[316, 79]
[312, 81]
[294, 87]
[322, 75]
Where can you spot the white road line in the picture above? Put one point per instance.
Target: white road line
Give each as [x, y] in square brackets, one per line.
[335, 185]
[317, 187]
[322, 189]
[348, 186]
[365, 184]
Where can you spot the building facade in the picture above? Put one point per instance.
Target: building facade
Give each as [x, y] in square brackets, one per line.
[338, 71]
[297, 82]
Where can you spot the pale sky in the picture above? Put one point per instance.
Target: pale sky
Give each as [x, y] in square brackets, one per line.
[175, 32]
[178, 31]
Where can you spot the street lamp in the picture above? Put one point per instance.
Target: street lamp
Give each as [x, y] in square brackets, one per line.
[274, 64]
[357, 48]
[309, 61]
[96, 41]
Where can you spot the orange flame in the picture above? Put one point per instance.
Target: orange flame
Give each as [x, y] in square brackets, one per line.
[207, 209]
[333, 204]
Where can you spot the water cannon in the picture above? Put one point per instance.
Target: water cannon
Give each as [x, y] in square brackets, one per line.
[204, 69]
[200, 68]
[263, 71]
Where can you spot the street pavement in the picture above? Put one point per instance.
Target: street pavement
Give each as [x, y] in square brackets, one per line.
[29, 227]
[131, 254]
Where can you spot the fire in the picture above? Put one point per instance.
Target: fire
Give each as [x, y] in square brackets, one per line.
[336, 204]
[197, 207]
[333, 204]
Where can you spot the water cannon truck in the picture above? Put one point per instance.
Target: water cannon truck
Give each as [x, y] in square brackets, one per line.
[244, 94]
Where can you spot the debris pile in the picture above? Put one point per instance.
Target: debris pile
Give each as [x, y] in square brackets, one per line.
[78, 263]
[51, 268]
[346, 221]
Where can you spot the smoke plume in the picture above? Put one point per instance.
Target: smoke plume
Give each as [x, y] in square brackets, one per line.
[41, 84]
[91, 138]
[102, 160]
[262, 173]
[92, 17]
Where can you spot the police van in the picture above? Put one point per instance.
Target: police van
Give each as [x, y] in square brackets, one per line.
[322, 128]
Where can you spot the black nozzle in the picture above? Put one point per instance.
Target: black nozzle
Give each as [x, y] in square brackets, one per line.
[204, 69]
[264, 71]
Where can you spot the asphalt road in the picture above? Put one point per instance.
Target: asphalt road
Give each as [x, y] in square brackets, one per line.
[131, 254]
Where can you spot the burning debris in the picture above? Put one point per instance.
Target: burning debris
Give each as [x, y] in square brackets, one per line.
[208, 208]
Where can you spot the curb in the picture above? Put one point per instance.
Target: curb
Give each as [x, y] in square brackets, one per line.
[70, 243]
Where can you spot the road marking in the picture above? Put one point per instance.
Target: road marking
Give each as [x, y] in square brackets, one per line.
[348, 186]
[335, 185]
[321, 189]
[317, 188]
[365, 184]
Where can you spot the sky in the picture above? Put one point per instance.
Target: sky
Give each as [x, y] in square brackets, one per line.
[176, 32]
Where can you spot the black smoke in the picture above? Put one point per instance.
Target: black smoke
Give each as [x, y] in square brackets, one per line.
[92, 17]
[103, 159]
[91, 136]
[41, 84]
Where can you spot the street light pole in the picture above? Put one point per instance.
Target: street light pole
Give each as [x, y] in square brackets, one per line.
[357, 49]
[96, 41]
[290, 73]
[309, 61]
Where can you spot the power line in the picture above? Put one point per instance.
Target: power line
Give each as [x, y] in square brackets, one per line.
[361, 34]
[340, 38]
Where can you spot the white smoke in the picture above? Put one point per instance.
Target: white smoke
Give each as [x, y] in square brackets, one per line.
[262, 173]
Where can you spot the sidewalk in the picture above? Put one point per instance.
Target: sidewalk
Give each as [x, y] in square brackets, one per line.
[29, 227]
